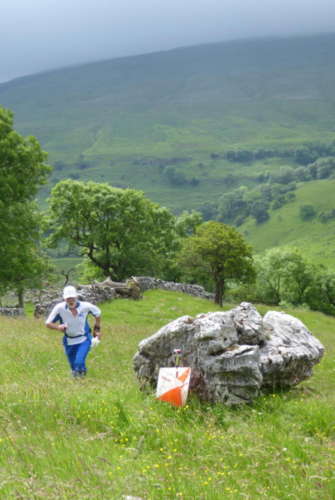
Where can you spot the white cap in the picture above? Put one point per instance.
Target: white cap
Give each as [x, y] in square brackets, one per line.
[69, 292]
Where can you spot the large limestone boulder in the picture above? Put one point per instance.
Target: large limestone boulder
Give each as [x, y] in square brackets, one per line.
[233, 354]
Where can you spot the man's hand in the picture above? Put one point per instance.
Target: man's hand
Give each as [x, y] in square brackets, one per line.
[95, 342]
[97, 332]
[62, 327]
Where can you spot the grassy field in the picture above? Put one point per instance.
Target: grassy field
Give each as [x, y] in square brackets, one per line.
[101, 438]
[285, 226]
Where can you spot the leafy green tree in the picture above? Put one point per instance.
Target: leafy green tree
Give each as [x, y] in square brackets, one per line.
[302, 174]
[187, 222]
[174, 177]
[320, 295]
[22, 171]
[327, 215]
[259, 210]
[26, 264]
[185, 226]
[307, 212]
[208, 210]
[23, 166]
[283, 275]
[239, 155]
[119, 230]
[233, 205]
[284, 175]
[217, 253]
[325, 167]
[305, 155]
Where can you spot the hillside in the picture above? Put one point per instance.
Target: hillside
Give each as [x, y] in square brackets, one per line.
[163, 123]
[181, 103]
[285, 227]
[102, 438]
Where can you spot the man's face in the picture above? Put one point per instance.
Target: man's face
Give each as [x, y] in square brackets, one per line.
[71, 302]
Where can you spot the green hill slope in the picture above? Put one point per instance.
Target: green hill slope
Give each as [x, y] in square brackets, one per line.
[123, 120]
[103, 438]
[162, 122]
[285, 226]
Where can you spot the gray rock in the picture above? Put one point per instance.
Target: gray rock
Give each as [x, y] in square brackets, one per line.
[12, 311]
[233, 354]
[290, 352]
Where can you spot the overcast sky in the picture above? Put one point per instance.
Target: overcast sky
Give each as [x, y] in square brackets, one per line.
[36, 35]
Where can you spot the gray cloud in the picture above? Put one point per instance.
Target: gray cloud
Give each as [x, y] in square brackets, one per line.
[37, 35]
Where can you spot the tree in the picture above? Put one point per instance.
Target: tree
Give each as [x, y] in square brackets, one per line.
[219, 253]
[174, 177]
[26, 266]
[233, 205]
[302, 174]
[208, 210]
[283, 275]
[119, 230]
[22, 163]
[259, 210]
[305, 155]
[307, 212]
[320, 295]
[285, 175]
[187, 222]
[22, 171]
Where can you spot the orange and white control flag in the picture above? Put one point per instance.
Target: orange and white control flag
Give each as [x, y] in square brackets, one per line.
[173, 385]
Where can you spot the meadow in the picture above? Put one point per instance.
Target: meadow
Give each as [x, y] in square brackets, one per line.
[102, 438]
[285, 227]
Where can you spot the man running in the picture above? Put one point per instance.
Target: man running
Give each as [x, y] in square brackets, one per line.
[70, 317]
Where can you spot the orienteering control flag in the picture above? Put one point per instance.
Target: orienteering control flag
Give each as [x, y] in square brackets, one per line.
[173, 385]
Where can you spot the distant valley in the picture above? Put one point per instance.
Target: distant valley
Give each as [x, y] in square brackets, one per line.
[169, 123]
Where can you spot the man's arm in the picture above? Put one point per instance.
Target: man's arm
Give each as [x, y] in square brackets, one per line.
[97, 327]
[52, 320]
[96, 312]
[56, 326]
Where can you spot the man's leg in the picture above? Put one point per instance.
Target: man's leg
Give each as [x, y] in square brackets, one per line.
[71, 351]
[80, 357]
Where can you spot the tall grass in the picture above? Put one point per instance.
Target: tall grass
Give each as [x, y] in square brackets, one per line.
[101, 438]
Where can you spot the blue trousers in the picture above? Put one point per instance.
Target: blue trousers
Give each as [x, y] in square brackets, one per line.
[76, 355]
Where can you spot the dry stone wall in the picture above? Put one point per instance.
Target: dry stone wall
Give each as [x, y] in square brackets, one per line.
[12, 311]
[90, 293]
[110, 290]
[149, 283]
